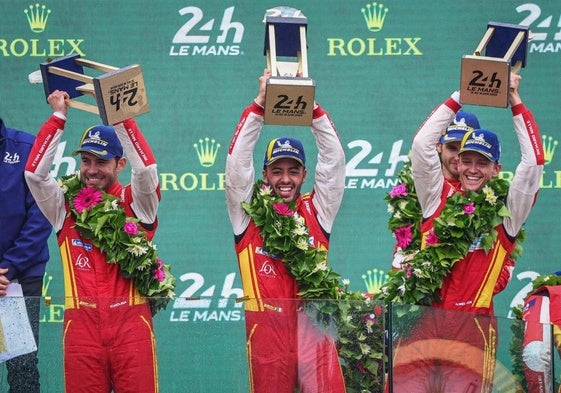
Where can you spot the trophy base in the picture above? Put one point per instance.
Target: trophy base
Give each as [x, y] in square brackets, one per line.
[484, 81]
[121, 94]
[289, 101]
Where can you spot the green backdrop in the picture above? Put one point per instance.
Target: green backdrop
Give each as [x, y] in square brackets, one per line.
[201, 61]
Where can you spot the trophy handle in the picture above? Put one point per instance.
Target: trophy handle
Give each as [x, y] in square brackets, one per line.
[282, 68]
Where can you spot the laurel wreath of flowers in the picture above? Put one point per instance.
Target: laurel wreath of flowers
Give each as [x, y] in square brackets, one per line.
[357, 319]
[466, 218]
[518, 326]
[100, 217]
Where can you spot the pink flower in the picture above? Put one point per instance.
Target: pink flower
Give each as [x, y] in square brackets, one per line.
[432, 239]
[378, 310]
[362, 369]
[87, 198]
[283, 209]
[469, 208]
[399, 190]
[369, 318]
[409, 270]
[403, 236]
[159, 272]
[130, 228]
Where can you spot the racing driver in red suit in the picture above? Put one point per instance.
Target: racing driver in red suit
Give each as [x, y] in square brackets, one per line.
[453, 345]
[285, 350]
[108, 336]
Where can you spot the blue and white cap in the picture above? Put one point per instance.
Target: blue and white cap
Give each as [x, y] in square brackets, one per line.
[102, 141]
[484, 142]
[284, 147]
[462, 123]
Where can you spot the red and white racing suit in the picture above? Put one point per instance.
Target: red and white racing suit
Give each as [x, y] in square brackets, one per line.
[454, 350]
[542, 312]
[108, 337]
[284, 347]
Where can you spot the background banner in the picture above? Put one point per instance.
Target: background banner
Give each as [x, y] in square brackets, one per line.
[379, 67]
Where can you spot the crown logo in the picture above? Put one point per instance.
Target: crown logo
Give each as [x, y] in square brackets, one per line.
[46, 283]
[207, 150]
[374, 15]
[37, 16]
[549, 146]
[374, 279]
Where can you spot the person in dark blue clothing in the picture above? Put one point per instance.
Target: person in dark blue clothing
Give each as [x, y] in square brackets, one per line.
[23, 247]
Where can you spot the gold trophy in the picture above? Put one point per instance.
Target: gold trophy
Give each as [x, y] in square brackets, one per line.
[119, 92]
[289, 96]
[485, 79]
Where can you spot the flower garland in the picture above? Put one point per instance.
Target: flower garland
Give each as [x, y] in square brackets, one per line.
[465, 218]
[359, 321]
[100, 217]
[406, 215]
[518, 326]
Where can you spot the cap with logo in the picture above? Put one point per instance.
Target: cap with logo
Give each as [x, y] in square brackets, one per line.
[462, 123]
[484, 142]
[284, 147]
[102, 141]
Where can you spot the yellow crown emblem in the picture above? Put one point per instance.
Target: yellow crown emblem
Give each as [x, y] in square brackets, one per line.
[549, 146]
[375, 15]
[374, 279]
[37, 16]
[207, 150]
[46, 283]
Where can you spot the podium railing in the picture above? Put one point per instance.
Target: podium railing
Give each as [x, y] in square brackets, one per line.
[201, 344]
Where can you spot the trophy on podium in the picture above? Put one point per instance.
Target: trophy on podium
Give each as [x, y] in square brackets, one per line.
[119, 92]
[289, 96]
[485, 79]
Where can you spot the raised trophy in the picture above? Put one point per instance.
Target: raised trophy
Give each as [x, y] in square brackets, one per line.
[119, 92]
[485, 78]
[289, 96]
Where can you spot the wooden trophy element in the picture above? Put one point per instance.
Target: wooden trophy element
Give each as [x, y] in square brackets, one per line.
[289, 96]
[485, 79]
[119, 92]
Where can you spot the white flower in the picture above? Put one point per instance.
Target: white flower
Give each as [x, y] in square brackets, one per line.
[302, 244]
[298, 219]
[418, 272]
[137, 250]
[365, 349]
[402, 205]
[113, 206]
[361, 336]
[265, 190]
[346, 281]
[490, 195]
[390, 209]
[300, 230]
[322, 266]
